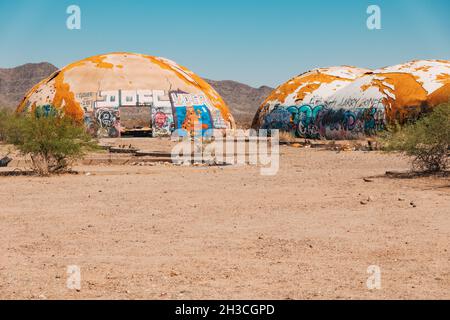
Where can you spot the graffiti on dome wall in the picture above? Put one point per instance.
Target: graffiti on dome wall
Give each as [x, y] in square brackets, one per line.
[347, 102]
[323, 121]
[109, 113]
[191, 112]
[163, 123]
[108, 120]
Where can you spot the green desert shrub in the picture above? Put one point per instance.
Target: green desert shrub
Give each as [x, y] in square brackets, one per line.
[426, 141]
[5, 115]
[51, 140]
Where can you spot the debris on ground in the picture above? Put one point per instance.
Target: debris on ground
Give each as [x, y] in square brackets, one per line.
[5, 161]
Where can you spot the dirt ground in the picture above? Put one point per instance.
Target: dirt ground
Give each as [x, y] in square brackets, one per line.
[169, 232]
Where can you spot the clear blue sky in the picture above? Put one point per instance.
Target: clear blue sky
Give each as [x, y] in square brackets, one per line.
[253, 41]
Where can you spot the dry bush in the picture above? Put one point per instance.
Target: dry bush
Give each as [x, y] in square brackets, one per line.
[427, 141]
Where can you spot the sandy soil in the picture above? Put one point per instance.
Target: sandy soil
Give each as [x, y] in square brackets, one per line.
[166, 232]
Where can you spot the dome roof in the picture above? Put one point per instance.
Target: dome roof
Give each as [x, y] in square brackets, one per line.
[402, 91]
[432, 75]
[310, 88]
[113, 91]
[354, 102]
[317, 84]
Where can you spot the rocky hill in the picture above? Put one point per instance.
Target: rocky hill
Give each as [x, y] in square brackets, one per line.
[242, 99]
[15, 82]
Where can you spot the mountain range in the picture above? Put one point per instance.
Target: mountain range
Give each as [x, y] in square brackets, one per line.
[15, 82]
[242, 99]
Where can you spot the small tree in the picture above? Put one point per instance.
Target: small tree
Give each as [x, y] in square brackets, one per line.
[427, 141]
[51, 140]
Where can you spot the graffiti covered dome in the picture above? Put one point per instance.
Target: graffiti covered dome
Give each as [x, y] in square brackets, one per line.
[281, 108]
[359, 106]
[120, 92]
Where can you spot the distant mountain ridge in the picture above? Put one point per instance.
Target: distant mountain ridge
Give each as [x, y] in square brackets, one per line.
[15, 82]
[242, 99]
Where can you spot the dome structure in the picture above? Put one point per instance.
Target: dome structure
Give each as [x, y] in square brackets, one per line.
[287, 104]
[122, 92]
[432, 75]
[361, 105]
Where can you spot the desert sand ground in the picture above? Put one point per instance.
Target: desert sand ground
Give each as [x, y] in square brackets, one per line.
[169, 232]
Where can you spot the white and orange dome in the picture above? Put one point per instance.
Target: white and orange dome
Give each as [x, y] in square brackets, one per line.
[314, 86]
[359, 102]
[120, 92]
[432, 75]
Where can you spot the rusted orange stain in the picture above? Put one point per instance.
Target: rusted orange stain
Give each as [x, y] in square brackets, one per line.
[441, 95]
[97, 60]
[65, 97]
[63, 92]
[309, 83]
[443, 78]
[410, 96]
